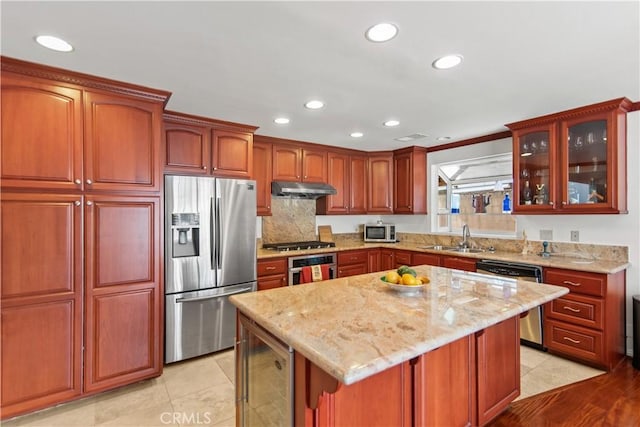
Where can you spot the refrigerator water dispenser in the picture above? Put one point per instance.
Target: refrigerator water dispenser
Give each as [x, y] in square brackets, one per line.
[186, 233]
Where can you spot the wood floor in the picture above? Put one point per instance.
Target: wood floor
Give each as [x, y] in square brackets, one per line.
[611, 399]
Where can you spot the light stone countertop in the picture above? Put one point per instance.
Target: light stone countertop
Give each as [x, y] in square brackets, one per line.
[357, 326]
[566, 262]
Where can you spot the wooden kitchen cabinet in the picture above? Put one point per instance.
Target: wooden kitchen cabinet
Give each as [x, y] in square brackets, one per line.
[458, 263]
[197, 145]
[81, 187]
[588, 324]
[347, 173]
[272, 273]
[262, 171]
[420, 258]
[374, 260]
[387, 259]
[294, 163]
[402, 258]
[410, 181]
[380, 179]
[497, 368]
[352, 263]
[573, 161]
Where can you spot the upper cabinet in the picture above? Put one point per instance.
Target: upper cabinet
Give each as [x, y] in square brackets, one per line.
[293, 163]
[65, 137]
[410, 181]
[200, 146]
[380, 189]
[262, 174]
[572, 162]
[347, 173]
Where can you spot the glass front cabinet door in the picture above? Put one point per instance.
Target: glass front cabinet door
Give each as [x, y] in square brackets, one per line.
[572, 162]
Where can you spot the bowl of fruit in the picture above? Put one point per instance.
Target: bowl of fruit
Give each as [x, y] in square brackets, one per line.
[405, 280]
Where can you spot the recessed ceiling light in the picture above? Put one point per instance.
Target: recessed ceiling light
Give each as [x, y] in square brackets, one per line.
[54, 43]
[314, 104]
[443, 138]
[381, 32]
[391, 123]
[446, 62]
[281, 120]
[357, 134]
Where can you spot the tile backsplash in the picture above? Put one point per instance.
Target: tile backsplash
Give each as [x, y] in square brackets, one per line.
[291, 220]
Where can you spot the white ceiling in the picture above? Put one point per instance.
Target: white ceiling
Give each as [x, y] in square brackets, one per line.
[249, 62]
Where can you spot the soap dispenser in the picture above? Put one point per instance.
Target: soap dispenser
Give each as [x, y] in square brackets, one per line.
[506, 204]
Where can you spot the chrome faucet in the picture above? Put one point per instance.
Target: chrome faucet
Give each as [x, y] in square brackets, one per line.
[465, 236]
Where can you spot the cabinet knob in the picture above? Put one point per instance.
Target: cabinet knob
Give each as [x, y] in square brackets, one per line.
[297, 176]
[89, 182]
[204, 167]
[268, 206]
[409, 206]
[215, 169]
[77, 182]
[89, 203]
[77, 203]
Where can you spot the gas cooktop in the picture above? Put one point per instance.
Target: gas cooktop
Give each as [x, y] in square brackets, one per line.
[296, 246]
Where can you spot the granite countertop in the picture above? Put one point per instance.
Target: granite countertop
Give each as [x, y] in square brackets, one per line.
[567, 262]
[357, 326]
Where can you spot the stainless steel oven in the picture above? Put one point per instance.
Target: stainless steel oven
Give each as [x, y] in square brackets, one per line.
[531, 329]
[298, 263]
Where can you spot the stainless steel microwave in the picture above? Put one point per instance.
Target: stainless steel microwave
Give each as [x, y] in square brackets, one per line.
[380, 233]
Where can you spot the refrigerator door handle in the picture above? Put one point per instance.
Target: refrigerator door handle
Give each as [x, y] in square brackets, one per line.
[218, 232]
[212, 236]
[226, 294]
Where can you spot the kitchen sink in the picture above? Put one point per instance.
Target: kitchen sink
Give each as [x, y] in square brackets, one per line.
[467, 250]
[452, 249]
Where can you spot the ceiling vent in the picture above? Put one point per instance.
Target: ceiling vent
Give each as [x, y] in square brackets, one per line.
[411, 137]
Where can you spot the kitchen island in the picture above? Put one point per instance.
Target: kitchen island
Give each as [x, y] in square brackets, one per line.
[368, 355]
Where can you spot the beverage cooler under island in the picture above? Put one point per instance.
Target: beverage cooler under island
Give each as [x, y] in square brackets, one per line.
[355, 351]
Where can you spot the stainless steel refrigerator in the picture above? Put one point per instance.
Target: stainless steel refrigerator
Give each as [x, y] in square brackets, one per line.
[210, 254]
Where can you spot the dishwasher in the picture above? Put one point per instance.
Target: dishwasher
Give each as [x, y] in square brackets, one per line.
[530, 325]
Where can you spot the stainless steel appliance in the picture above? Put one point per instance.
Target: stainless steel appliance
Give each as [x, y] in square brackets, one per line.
[210, 253]
[297, 263]
[264, 378]
[380, 233]
[531, 325]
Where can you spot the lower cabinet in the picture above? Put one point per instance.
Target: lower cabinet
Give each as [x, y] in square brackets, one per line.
[387, 259]
[352, 263]
[402, 258]
[374, 260]
[458, 263]
[272, 273]
[467, 382]
[62, 293]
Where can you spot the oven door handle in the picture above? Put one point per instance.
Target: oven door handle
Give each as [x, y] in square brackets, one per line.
[225, 294]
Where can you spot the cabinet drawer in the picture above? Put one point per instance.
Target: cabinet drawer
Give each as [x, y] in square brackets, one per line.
[578, 309]
[352, 257]
[270, 282]
[428, 259]
[574, 340]
[271, 266]
[577, 281]
[403, 258]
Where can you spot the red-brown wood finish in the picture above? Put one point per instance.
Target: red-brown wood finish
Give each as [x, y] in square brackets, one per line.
[126, 156]
[387, 259]
[498, 368]
[187, 147]
[410, 181]
[338, 176]
[555, 167]
[588, 324]
[359, 184]
[232, 154]
[458, 263]
[373, 256]
[402, 257]
[352, 263]
[314, 165]
[50, 154]
[41, 321]
[272, 273]
[380, 178]
[444, 390]
[122, 297]
[262, 171]
[287, 165]
[419, 258]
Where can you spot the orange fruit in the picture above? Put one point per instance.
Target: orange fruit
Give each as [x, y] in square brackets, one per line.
[409, 280]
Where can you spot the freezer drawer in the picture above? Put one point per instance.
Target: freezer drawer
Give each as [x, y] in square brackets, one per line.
[200, 322]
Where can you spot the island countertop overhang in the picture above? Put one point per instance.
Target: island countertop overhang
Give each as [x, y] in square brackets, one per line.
[355, 327]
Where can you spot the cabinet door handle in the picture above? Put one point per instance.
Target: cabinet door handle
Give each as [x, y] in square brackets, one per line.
[204, 167]
[89, 203]
[564, 203]
[270, 268]
[571, 309]
[571, 340]
[567, 282]
[215, 169]
[77, 182]
[552, 203]
[89, 182]
[77, 203]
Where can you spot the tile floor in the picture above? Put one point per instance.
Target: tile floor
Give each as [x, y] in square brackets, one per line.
[200, 392]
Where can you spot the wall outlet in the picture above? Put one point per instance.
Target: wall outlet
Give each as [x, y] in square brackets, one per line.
[546, 234]
[575, 236]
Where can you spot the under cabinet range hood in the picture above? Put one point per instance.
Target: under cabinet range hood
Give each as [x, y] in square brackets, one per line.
[301, 190]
